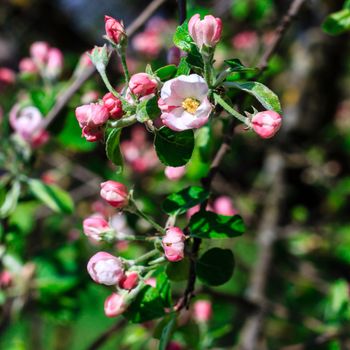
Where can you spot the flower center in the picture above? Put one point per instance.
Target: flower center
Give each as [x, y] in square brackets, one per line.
[190, 105]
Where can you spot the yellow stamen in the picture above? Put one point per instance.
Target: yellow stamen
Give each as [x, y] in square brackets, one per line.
[190, 105]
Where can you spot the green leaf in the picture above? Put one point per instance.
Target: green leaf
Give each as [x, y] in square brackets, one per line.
[167, 332]
[180, 202]
[207, 224]
[147, 110]
[43, 99]
[237, 66]
[174, 148]
[183, 68]
[167, 72]
[178, 271]
[262, 93]
[182, 38]
[11, 200]
[112, 149]
[338, 22]
[151, 302]
[51, 195]
[215, 266]
[347, 4]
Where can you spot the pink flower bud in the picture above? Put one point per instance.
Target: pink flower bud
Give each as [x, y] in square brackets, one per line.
[54, 64]
[114, 305]
[115, 193]
[174, 346]
[205, 32]
[202, 310]
[91, 115]
[105, 268]
[129, 280]
[142, 84]
[27, 65]
[174, 173]
[266, 123]
[95, 226]
[152, 282]
[7, 76]
[148, 43]
[5, 279]
[113, 105]
[92, 133]
[39, 138]
[246, 40]
[115, 30]
[173, 244]
[223, 206]
[174, 55]
[89, 97]
[39, 52]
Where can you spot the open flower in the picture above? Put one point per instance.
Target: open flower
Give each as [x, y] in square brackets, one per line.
[184, 102]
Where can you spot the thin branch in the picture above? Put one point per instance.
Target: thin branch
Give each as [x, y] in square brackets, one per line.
[66, 96]
[279, 33]
[106, 335]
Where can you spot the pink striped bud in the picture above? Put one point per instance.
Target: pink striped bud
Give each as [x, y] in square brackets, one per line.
[266, 124]
[202, 310]
[173, 244]
[54, 64]
[113, 105]
[129, 280]
[174, 173]
[39, 52]
[105, 268]
[95, 226]
[7, 76]
[115, 193]
[91, 115]
[115, 30]
[27, 65]
[114, 305]
[142, 84]
[206, 32]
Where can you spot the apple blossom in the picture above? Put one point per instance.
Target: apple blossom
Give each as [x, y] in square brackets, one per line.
[205, 32]
[113, 105]
[174, 173]
[54, 63]
[202, 310]
[7, 76]
[94, 226]
[246, 40]
[173, 244]
[184, 102]
[91, 115]
[115, 193]
[266, 123]
[223, 206]
[115, 30]
[39, 52]
[129, 280]
[148, 43]
[143, 84]
[105, 268]
[27, 65]
[114, 305]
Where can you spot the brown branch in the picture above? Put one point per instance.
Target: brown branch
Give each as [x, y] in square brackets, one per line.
[279, 33]
[66, 96]
[106, 335]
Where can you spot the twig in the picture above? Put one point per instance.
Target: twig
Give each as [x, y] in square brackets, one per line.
[65, 97]
[279, 33]
[106, 335]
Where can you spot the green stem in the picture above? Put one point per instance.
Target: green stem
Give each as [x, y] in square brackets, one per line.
[208, 67]
[229, 109]
[134, 209]
[146, 256]
[122, 56]
[123, 122]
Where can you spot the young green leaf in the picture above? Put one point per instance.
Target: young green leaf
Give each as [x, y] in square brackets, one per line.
[51, 195]
[174, 148]
[147, 110]
[215, 266]
[338, 22]
[112, 148]
[10, 202]
[183, 68]
[261, 92]
[182, 38]
[178, 271]
[167, 332]
[180, 202]
[237, 66]
[207, 224]
[167, 72]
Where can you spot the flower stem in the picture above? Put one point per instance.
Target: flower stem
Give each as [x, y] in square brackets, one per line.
[146, 256]
[123, 122]
[122, 55]
[229, 109]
